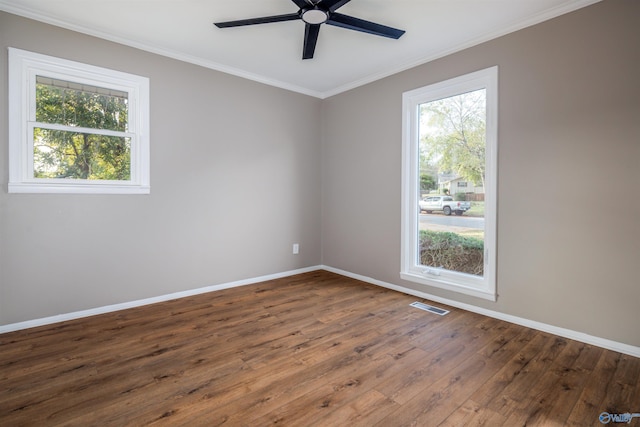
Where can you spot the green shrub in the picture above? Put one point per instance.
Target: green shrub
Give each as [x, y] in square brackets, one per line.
[452, 251]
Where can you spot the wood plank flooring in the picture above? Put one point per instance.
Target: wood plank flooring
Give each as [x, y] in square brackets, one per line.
[312, 349]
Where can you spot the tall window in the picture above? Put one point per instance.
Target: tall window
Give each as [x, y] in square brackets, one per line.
[76, 128]
[450, 133]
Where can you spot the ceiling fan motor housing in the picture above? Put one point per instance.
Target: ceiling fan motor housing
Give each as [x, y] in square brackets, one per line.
[314, 16]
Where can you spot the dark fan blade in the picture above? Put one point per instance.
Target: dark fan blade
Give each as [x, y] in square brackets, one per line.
[310, 38]
[263, 20]
[333, 5]
[351, 23]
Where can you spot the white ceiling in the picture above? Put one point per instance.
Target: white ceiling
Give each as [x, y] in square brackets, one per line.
[271, 53]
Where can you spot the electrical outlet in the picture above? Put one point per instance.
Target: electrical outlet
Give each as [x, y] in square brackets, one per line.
[296, 249]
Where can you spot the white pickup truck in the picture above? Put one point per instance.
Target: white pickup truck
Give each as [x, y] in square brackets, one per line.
[446, 204]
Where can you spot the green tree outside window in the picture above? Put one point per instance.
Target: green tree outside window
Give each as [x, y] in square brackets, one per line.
[98, 149]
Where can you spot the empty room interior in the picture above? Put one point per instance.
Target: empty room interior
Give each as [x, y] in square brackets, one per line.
[254, 259]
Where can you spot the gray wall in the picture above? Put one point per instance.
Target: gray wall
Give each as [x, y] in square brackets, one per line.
[235, 179]
[569, 166]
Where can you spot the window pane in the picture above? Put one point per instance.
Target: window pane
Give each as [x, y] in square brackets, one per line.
[74, 155]
[452, 154]
[73, 104]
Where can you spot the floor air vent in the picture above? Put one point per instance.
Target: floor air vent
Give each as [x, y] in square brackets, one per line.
[430, 308]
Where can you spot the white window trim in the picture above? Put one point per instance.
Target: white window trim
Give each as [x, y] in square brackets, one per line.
[24, 66]
[482, 287]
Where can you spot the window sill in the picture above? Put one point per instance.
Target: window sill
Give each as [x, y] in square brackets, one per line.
[450, 286]
[78, 188]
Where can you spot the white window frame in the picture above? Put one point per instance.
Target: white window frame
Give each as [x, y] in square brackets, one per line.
[24, 66]
[478, 286]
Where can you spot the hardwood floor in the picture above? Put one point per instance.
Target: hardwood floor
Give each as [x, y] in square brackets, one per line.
[312, 349]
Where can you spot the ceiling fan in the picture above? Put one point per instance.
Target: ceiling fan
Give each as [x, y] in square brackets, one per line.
[315, 13]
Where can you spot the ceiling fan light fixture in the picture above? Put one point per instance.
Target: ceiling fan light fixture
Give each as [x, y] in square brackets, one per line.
[315, 16]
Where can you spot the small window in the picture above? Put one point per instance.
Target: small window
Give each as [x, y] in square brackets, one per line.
[76, 128]
[462, 183]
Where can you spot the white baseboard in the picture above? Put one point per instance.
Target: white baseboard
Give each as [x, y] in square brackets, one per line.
[138, 303]
[566, 333]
